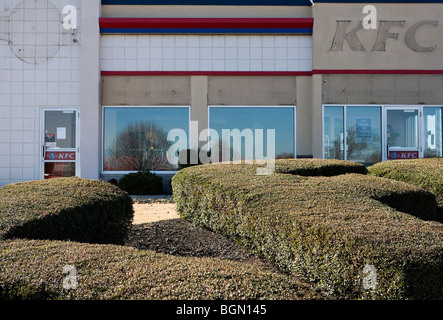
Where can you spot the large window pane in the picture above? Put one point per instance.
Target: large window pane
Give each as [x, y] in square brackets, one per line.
[433, 133]
[363, 127]
[333, 138]
[136, 138]
[280, 119]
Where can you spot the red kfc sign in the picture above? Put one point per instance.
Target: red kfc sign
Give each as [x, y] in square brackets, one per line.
[398, 155]
[60, 156]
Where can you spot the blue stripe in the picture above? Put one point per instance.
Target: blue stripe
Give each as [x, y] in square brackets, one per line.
[251, 2]
[206, 31]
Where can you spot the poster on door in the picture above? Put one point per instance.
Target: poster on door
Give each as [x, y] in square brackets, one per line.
[363, 130]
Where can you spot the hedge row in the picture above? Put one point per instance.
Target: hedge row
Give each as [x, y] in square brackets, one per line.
[318, 167]
[141, 183]
[325, 229]
[98, 212]
[33, 269]
[425, 173]
[65, 209]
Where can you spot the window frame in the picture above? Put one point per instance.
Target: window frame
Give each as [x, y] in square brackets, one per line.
[102, 171]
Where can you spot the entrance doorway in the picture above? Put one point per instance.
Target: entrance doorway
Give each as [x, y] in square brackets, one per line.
[402, 133]
[60, 143]
[372, 133]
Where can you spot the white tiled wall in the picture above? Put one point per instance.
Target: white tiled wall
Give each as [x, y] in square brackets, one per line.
[25, 86]
[206, 53]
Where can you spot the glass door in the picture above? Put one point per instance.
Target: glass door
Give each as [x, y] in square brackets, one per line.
[60, 143]
[402, 133]
[433, 132]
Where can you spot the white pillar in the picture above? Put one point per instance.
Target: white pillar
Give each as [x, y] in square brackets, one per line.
[90, 128]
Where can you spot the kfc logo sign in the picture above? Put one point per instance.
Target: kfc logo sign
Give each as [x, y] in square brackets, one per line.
[60, 156]
[397, 155]
[351, 35]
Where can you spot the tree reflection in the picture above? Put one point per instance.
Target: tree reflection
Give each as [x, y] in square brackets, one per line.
[364, 151]
[140, 146]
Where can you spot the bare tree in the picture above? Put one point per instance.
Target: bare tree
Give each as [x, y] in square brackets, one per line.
[141, 146]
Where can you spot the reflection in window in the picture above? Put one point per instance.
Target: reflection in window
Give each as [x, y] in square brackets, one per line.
[402, 127]
[433, 132]
[59, 169]
[363, 130]
[333, 137]
[280, 119]
[136, 138]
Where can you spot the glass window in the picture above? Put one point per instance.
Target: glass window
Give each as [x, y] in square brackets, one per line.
[402, 128]
[247, 120]
[135, 138]
[60, 129]
[333, 137]
[433, 133]
[363, 131]
[59, 169]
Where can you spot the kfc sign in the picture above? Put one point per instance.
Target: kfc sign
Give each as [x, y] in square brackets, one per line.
[60, 156]
[345, 33]
[398, 155]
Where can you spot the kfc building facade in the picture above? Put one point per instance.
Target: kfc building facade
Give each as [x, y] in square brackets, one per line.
[92, 88]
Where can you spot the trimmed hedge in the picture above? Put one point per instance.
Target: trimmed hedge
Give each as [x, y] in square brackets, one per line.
[65, 209]
[424, 173]
[325, 229]
[33, 269]
[96, 211]
[318, 167]
[141, 183]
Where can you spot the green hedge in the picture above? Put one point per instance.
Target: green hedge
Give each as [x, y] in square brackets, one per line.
[33, 269]
[425, 173]
[65, 209]
[141, 183]
[318, 167]
[325, 229]
[96, 211]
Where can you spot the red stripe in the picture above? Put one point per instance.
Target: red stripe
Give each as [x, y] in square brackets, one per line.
[192, 23]
[264, 73]
[319, 71]
[206, 73]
